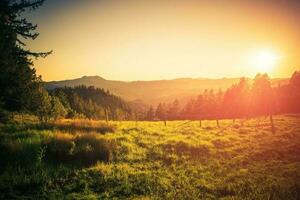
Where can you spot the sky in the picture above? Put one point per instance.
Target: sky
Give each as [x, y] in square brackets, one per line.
[152, 40]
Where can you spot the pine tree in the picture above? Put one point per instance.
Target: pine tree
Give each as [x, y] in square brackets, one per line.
[41, 105]
[17, 74]
[160, 112]
[174, 110]
[263, 97]
[57, 108]
[150, 114]
[236, 100]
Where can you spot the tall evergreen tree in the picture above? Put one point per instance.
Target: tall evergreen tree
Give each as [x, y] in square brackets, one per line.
[263, 101]
[174, 110]
[161, 112]
[17, 75]
[150, 115]
[236, 100]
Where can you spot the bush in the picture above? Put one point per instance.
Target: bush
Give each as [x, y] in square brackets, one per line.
[90, 149]
[60, 148]
[81, 149]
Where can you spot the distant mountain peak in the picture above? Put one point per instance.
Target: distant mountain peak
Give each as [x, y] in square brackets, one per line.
[93, 77]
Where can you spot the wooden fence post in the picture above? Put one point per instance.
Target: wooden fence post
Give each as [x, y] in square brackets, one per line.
[272, 124]
[106, 115]
[136, 118]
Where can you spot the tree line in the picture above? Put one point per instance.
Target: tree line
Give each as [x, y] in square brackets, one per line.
[92, 103]
[248, 98]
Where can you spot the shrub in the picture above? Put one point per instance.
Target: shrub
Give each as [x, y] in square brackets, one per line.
[90, 149]
[85, 149]
[60, 148]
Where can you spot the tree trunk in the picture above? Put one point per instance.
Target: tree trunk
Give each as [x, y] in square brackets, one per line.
[136, 118]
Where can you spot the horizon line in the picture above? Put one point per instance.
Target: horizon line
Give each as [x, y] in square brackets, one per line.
[171, 79]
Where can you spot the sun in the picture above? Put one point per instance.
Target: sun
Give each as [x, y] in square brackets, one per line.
[265, 60]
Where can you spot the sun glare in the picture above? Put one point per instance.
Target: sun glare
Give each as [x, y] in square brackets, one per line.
[265, 61]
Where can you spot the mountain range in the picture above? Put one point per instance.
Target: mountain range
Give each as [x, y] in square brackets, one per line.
[154, 92]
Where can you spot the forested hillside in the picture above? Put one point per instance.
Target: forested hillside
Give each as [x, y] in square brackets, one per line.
[92, 103]
[154, 92]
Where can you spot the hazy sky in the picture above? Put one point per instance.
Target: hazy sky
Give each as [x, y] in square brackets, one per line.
[144, 40]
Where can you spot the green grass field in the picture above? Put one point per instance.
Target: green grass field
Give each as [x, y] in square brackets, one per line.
[147, 160]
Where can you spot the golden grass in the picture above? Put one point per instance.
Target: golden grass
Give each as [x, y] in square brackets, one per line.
[179, 161]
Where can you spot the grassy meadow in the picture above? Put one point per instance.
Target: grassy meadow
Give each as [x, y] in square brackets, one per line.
[82, 159]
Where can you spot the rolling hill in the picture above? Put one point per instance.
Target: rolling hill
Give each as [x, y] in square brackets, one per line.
[153, 92]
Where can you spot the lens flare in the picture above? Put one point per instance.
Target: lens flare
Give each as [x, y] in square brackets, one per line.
[265, 61]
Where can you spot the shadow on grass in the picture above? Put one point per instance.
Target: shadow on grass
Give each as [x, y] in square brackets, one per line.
[15, 153]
